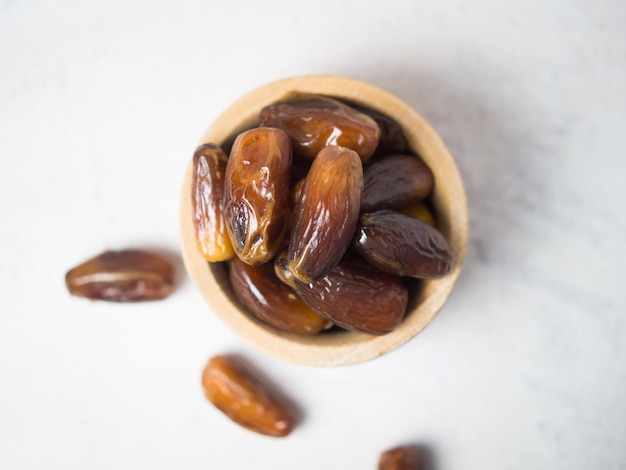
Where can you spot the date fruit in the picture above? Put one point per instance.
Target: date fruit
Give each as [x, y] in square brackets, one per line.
[314, 122]
[392, 138]
[207, 190]
[122, 276]
[265, 296]
[358, 297]
[394, 181]
[256, 193]
[419, 210]
[401, 245]
[401, 458]
[326, 213]
[244, 399]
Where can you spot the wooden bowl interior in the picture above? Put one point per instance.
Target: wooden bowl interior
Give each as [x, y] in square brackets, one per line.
[335, 347]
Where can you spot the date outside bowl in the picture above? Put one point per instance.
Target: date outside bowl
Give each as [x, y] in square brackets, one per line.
[448, 200]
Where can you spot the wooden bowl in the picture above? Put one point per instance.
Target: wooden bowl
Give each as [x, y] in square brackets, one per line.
[448, 200]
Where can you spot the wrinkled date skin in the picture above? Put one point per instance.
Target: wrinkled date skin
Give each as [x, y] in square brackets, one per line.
[314, 122]
[122, 276]
[207, 190]
[244, 399]
[259, 289]
[326, 213]
[401, 458]
[357, 297]
[402, 245]
[394, 181]
[256, 193]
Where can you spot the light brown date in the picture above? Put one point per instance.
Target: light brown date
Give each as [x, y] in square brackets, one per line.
[256, 193]
[419, 210]
[244, 399]
[401, 458]
[326, 213]
[265, 296]
[207, 190]
[356, 296]
[402, 245]
[122, 276]
[314, 122]
[394, 181]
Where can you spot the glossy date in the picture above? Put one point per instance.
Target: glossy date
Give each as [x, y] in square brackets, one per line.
[256, 193]
[402, 245]
[326, 213]
[358, 297]
[122, 276]
[394, 181]
[244, 399]
[207, 191]
[314, 122]
[269, 299]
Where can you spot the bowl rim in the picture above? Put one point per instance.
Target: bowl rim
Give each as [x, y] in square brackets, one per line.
[344, 348]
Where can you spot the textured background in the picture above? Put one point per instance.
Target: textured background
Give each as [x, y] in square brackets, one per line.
[101, 105]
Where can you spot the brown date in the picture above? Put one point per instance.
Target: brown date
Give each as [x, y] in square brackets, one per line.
[207, 189]
[402, 245]
[394, 181]
[122, 276]
[256, 193]
[392, 138]
[358, 297]
[244, 399]
[401, 458]
[326, 213]
[314, 122]
[265, 296]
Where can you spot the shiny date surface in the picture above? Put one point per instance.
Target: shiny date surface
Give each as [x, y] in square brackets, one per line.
[392, 139]
[314, 122]
[326, 213]
[356, 296]
[256, 193]
[122, 276]
[207, 191]
[402, 245]
[265, 296]
[394, 181]
[244, 399]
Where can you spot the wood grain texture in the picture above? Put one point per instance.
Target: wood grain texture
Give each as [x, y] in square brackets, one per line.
[449, 203]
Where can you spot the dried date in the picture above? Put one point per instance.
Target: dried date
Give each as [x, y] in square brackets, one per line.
[392, 138]
[326, 213]
[256, 193]
[394, 181]
[314, 122]
[265, 296]
[358, 297]
[402, 245]
[207, 190]
[401, 458]
[122, 276]
[244, 399]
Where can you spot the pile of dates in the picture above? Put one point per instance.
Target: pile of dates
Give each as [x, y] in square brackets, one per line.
[320, 214]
